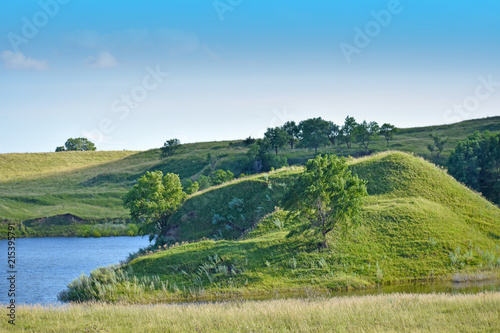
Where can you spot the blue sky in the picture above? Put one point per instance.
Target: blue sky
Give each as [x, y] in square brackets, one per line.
[132, 74]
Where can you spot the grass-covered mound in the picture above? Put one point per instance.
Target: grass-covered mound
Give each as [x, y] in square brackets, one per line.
[417, 224]
[90, 185]
[232, 209]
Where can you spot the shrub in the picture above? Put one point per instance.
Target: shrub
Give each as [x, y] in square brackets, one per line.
[221, 176]
[203, 182]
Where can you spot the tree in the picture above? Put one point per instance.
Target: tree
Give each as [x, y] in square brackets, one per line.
[333, 132]
[327, 194]
[169, 147]
[293, 132]
[154, 200]
[366, 133]
[259, 158]
[388, 131]
[476, 162]
[464, 164]
[77, 144]
[220, 176]
[189, 186]
[60, 148]
[193, 188]
[314, 133]
[277, 138]
[248, 141]
[204, 182]
[437, 146]
[347, 132]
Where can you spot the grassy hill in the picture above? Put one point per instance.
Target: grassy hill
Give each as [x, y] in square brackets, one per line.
[418, 223]
[57, 193]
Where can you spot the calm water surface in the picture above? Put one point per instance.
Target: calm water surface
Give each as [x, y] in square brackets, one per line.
[45, 266]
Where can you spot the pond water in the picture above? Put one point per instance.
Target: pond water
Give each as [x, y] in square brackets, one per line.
[45, 266]
[447, 287]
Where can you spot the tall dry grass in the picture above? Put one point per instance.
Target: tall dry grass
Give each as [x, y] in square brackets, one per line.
[382, 313]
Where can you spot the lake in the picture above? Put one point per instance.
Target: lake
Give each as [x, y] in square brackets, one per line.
[45, 266]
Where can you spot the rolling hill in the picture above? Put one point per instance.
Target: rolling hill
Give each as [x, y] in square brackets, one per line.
[417, 223]
[53, 193]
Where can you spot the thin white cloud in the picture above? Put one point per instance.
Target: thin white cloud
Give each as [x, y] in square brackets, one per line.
[103, 60]
[17, 60]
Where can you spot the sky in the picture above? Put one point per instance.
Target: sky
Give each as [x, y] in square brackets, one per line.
[133, 74]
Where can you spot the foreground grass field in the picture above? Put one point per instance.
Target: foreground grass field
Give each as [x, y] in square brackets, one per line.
[383, 313]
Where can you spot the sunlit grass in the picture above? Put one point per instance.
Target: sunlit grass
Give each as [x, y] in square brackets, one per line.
[382, 313]
[30, 183]
[37, 165]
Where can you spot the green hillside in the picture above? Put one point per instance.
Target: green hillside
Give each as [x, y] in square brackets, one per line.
[89, 186]
[418, 223]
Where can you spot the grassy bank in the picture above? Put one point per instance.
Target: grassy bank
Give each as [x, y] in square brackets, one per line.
[384, 313]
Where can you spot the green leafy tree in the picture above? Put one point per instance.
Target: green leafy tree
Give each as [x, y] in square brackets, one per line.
[314, 133]
[60, 148]
[189, 186]
[348, 131]
[437, 145]
[220, 176]
[78, 144]
[203, 182]
[464, 164]
[154, 200]
[249, 141]
[193, 188]
[388, 131]
[476, 162]
[327, 194]
[293, 131]
[277, 138]
[169, 147]
[333, 132]
[259, 158]
[366, 133]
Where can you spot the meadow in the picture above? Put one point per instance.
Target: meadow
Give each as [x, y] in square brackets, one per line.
[91, 185]
[382, 313]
